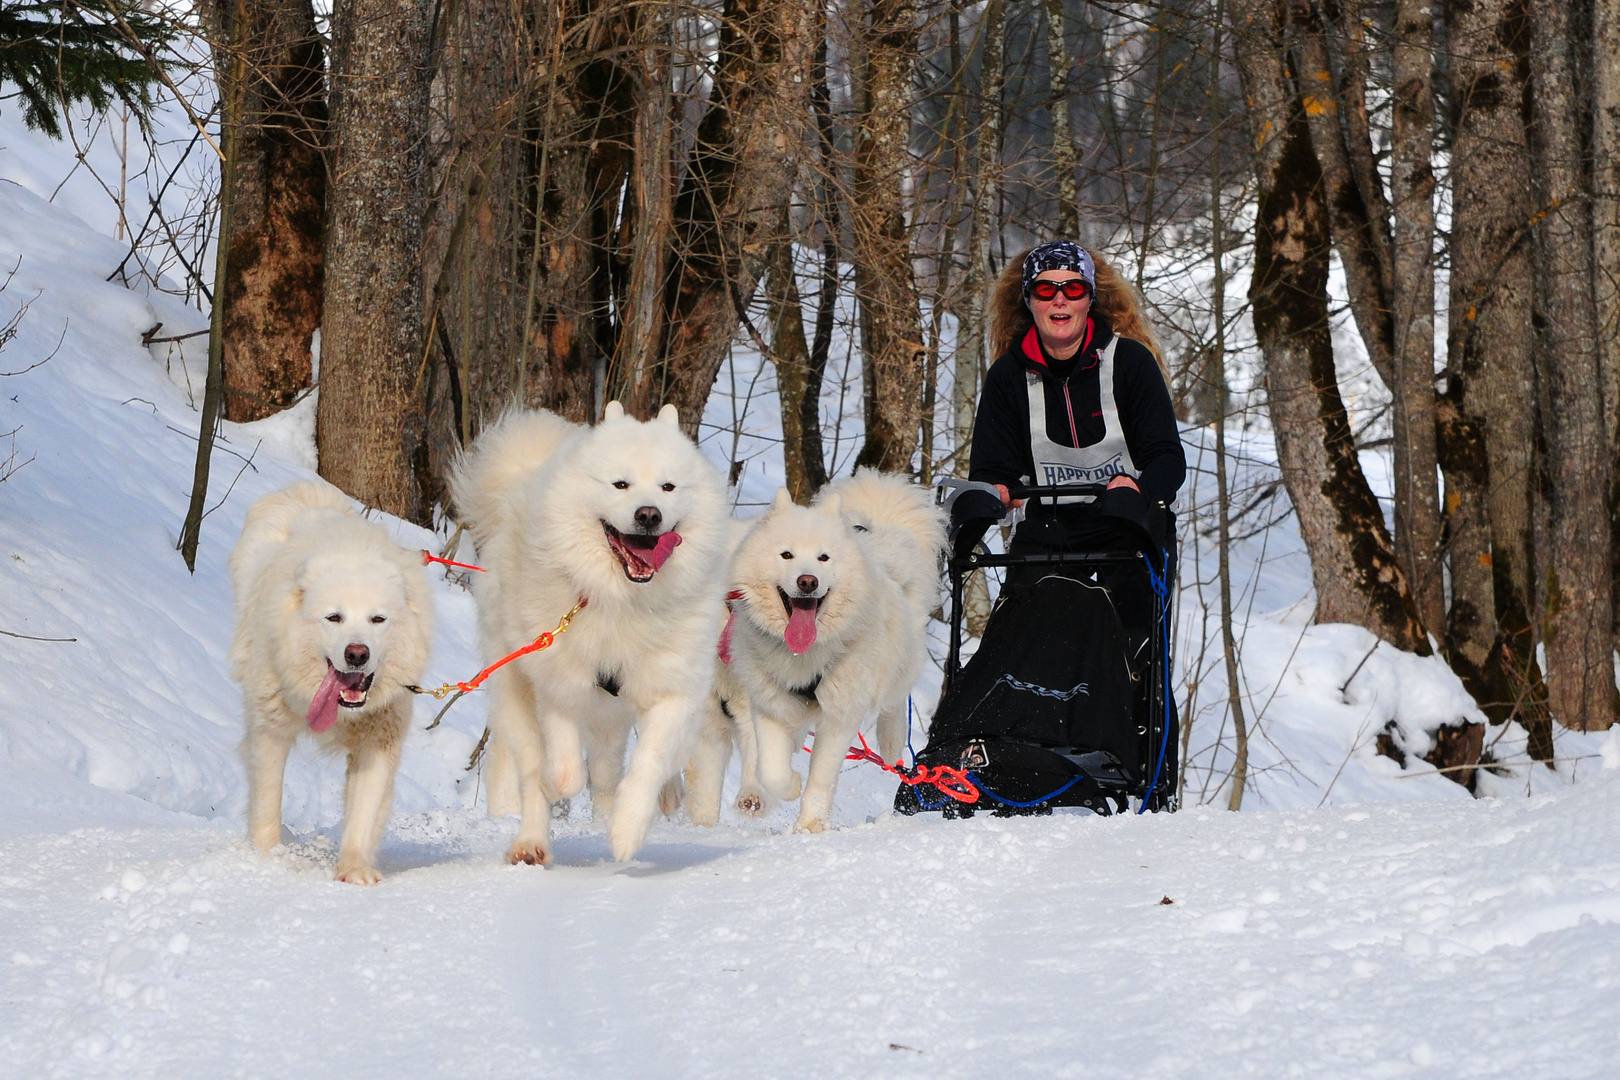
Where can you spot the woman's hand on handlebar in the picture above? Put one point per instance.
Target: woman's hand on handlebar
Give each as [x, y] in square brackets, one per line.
[1119, 481]
[1006, 500]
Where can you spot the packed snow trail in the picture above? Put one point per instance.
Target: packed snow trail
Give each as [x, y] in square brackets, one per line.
[1445, 938]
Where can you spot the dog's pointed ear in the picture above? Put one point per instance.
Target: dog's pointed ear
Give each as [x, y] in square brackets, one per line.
[783, 500]
[613, 411]
[670, 415]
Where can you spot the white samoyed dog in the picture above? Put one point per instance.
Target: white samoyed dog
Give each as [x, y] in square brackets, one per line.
[830, 625]
[630, 518]
[333, 622]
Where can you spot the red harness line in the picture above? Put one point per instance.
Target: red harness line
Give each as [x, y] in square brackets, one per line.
[544, 641]
[429, 557]
[949, 781]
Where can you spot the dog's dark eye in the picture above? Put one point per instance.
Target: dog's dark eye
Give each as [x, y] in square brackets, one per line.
[668, 487]
[379, 618]
[787, 554]
[334, 617]
[823, 557]
[862, 528]
[621, 484]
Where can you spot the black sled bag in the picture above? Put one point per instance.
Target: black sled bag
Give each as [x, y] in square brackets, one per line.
[1046, 701]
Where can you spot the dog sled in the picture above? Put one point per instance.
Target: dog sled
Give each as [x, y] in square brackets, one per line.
[1065, 703]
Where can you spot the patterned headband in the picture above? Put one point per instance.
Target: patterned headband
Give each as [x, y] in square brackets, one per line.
[1059, 255]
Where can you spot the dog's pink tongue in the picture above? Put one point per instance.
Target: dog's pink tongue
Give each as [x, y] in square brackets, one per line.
[801, 630]
[323, 711]
[660, 551]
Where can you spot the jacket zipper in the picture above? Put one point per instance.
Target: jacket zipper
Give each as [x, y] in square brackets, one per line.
[1074, 433]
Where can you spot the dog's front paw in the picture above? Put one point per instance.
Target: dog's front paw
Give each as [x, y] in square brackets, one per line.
[751, 803]
[626, 837]
[786, 788]
[813, 825]
[358, 873]
[533, 852]
[566, 780]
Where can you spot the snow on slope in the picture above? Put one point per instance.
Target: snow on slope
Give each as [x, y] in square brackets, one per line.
[140, 704]
[1427, 934]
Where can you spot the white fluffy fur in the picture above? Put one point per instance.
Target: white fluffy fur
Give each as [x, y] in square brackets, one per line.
[303, 556]
[727, 721]
[873, 542]
[535, 491]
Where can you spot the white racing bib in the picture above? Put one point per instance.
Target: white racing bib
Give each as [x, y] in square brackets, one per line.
[1095, 464]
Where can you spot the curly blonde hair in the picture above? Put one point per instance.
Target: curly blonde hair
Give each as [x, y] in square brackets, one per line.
[1116, 301]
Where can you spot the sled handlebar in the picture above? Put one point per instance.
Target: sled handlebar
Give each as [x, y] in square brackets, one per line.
[1055, 491]
[950, 489]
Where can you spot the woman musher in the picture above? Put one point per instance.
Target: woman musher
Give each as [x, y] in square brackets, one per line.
[1077, 397]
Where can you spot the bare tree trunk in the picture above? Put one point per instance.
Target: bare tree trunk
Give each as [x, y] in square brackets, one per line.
[1216, 379]
[476, 253]
[1155, 154]
[973, 335]
[1064, 158]
[368, 425]
[1358, 579]
[641, 329]
[974, 348]
[1417, 499]
[891, 319]
[1360, 213]
[742, 171]
[579, 131]
[1579, 601]
[826, 188]
[1606, 246]
[271, 298]
[214, 385]
[791, 355]
[1488, 413]
[1355, 185]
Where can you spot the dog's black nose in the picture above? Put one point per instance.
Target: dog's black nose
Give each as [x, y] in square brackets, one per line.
[807, 583]
[648, 518]
[356, 655]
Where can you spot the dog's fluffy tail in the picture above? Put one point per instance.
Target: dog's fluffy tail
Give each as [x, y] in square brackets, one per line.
[485, 477]
[271, 521]
[907, 529]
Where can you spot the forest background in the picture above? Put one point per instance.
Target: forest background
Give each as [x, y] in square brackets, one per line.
[432, 209]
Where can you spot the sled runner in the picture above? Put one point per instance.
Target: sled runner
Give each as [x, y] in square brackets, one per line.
[1065, 703]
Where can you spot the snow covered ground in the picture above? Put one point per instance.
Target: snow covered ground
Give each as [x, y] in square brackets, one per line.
[1442, 938]
[1372, 921]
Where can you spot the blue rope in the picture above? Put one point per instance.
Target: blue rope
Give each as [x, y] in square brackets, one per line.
[984, 790]
[1161, 588]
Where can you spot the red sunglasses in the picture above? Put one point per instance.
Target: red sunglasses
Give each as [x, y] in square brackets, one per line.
[1073, 289]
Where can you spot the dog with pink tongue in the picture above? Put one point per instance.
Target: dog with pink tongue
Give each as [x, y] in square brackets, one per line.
[829, 629]
[333, 621]
[630, 517]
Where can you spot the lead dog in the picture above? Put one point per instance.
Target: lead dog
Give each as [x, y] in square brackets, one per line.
[630, 518]
[333, 620]
[830, 625]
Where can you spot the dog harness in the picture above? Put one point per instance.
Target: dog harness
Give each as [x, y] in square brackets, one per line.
[1095, 464]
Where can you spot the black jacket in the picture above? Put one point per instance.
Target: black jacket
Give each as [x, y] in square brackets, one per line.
[1001, 446]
